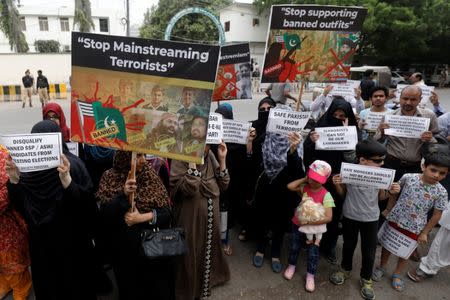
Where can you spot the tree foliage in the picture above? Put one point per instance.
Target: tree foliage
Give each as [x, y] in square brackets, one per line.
[10, 25]
[192, 28]
[83, 16]
[47, 46]
[396, 32]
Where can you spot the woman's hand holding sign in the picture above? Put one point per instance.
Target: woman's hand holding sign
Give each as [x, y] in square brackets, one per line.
[314, 136]
[294, 139]
[12, 171]
[64, 172]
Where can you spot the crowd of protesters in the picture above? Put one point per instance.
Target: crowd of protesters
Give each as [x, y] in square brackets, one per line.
[70, 224]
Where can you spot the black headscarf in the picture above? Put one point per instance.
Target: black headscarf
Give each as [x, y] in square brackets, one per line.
[328, 120]
[333, 157]
[263, 117]
[44, 189]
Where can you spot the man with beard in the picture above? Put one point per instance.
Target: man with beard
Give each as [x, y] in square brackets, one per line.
[244, 84]
[403, 154]
[163, 136]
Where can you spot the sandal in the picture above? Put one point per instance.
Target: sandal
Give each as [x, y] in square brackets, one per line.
[417, 275]
[227, 250]
[258, 260]
[242, 235]
[378, 273]
[397, 283]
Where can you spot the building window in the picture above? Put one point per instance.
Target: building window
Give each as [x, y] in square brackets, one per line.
[255, 22]
[104, 26]
[64, 24]
[23, 24]
[227, 26]
[43, 24]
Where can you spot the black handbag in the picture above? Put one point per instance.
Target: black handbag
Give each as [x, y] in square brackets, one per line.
[160, 243]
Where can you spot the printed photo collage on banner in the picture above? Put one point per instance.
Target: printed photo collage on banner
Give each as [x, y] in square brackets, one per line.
[233, 80]
[142, 95]
[311, 43]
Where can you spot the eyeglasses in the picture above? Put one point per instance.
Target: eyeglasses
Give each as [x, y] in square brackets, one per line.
[376, 160]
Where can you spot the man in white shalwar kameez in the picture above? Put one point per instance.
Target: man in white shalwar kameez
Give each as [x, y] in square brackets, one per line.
[438, 256]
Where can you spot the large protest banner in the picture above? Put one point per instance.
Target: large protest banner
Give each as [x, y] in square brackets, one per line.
[235, 131]
[316, 43]
[361, 175]
[405, 126]
[284, 121]
[234, 80]
[336, 138]
[395, 241]
[142, 95]
[34, 151]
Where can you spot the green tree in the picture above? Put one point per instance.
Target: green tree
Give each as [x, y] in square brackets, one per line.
[47, 46]
[83, 16]
[10, 25]
[396, 32]
[196, 28]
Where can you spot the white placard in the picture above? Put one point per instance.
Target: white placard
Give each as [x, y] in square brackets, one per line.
[367, 176]
[346, 88]
[396, 242]
[34, 151]
[214, 135]
[286, 121]
[404, 126]
[235, 131]
[373, 120]
[426, 92]
[336, 138]
[73, 148]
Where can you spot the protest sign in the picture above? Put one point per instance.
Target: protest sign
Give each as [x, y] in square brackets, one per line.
[285, 121]
[34, 151]
[234, 78]
[344, 88]
[404, 126]
[235, 131]
[73, 148]
[396, 242]
[336, 138]
[361, 175]
[311, 43]
[142, 95]
[426, 92]
[214, 135]
[373, 120]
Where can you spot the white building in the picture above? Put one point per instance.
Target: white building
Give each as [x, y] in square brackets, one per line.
[242, 23]
[41, 21]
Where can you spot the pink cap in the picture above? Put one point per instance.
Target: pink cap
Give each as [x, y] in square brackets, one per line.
[319, 171]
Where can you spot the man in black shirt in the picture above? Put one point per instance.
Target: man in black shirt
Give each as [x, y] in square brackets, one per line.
[28, 82]
[367, 84]
[42, 87]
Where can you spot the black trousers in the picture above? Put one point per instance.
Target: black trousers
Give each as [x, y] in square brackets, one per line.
[368, 230]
